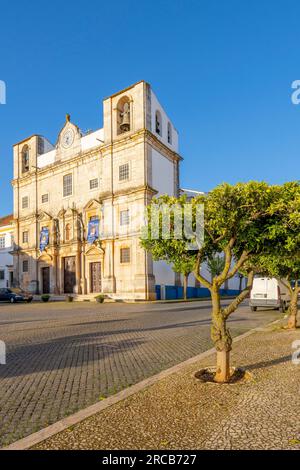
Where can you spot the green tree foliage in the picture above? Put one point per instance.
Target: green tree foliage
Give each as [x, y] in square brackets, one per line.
[284, 262]
[215, 265]
[240, 222]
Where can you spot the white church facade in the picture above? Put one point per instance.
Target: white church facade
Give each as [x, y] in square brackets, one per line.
[79, 204]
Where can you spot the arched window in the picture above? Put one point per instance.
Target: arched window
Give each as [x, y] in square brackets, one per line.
[123, 115]
[68, 232]
[158, 124]
[25, 159]
[169, 133]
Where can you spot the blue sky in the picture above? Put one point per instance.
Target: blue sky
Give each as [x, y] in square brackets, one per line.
[222, 70]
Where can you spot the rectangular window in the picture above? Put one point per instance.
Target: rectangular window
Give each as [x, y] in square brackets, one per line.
[45, 198]
[41, 146]
[124, 217]
[25, 202]
[25, 266]
[124, 172]
[25, 237]
[68, 186]
[94, 183]
[125, 255]
[2, 275]
[2, 242]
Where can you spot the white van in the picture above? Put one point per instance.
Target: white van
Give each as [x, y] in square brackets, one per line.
[269, 292]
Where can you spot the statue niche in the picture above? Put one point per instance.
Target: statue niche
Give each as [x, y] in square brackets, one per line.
[123, 115]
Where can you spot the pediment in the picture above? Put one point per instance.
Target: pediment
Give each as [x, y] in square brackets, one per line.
[61, 214]
[92, 204]
[43, 216]
[94, 250]
[69, 140]
[69, 213]
[45, 257]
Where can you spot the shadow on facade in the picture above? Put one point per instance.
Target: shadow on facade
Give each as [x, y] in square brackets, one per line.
[48, 273]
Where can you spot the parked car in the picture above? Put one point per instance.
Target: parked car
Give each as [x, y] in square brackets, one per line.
[269, 292]
[14, 295]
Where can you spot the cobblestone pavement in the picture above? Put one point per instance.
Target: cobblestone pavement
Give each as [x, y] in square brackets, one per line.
[260, 413]
[63, 357]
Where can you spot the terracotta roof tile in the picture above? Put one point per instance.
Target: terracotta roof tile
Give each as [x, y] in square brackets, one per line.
[6, 220]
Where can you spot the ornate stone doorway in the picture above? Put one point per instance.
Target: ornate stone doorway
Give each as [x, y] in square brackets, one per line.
[46, 280]
[69, 274]
[95, 277]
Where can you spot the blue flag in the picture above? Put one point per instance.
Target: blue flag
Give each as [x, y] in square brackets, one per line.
[93, 231]
[44, 238]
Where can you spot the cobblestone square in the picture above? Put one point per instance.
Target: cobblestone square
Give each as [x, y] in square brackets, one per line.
[63, 357]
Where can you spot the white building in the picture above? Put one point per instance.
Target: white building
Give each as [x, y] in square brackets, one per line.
[6, 246]
[79, 203]
[103, 182]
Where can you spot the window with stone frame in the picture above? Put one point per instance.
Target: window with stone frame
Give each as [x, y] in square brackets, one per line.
[41, 146]
[125, 255]
[2, 275]
[67, 185]
[169, 133]
[25, 266]
[124, 217]
[2, 241]
[25, 236]
[45, 198]
[124, 172]
[94, 183]
[25, 202]
[158, 123]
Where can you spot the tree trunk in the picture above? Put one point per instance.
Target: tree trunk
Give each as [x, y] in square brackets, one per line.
[185, 284]
[293, 310]
[223, 366]
[221, 338]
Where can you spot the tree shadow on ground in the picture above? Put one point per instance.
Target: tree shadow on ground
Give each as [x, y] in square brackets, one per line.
[270, 363]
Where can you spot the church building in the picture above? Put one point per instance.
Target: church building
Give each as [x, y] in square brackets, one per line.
[79, 204]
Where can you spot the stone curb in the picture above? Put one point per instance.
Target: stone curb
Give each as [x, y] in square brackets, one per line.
[39, 436]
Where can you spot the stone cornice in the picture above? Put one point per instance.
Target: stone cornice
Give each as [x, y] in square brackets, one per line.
[81, 158]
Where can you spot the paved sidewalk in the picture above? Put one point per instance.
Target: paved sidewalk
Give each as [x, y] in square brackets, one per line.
[179, 412]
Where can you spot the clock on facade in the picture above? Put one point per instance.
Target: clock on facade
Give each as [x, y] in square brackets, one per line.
[68, 138]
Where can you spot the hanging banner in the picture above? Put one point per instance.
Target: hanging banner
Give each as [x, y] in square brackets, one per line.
[93, 231]
[44, 238]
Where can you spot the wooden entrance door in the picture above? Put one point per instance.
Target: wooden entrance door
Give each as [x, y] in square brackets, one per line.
[46, 280]
[69, 274]
[96, 277]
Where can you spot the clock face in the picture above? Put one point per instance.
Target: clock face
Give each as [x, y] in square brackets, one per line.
[68, 138]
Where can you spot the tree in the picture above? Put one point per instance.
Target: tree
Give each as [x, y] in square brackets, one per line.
[183, 265]
[284, 263]
[237, 224]
[169, 249]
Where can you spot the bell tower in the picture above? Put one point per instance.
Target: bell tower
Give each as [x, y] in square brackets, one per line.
[124, 112]
[25, 156]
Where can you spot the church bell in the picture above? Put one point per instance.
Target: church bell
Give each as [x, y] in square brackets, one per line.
[125, 122]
